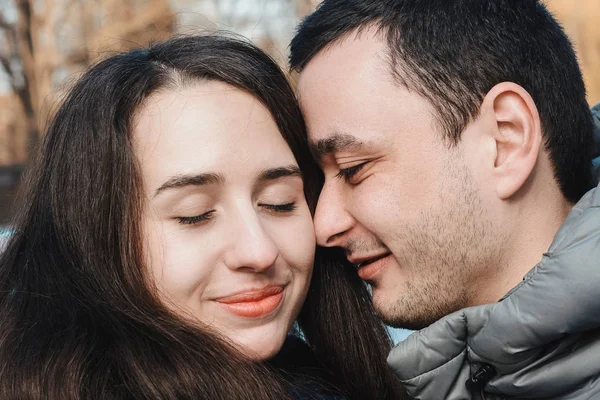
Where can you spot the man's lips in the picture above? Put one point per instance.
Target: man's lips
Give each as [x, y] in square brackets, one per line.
[361, 261]
[253, 303]
[370, 267]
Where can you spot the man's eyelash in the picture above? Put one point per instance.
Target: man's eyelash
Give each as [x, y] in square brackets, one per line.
[348, 173]
[194, 220]
[287, 207]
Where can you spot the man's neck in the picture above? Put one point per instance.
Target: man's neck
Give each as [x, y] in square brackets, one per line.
[530, 239]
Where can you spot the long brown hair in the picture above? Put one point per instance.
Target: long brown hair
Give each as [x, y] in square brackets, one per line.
[78, 319]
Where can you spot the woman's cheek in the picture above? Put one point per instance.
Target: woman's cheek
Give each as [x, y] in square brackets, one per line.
[296, 241]
[177, 261]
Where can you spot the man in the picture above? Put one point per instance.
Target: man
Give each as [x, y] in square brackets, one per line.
[456, 144]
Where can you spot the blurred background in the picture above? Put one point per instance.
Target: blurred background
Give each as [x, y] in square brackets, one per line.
[46, 44]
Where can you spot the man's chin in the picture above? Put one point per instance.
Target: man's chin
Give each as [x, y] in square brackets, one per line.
[403, 323]
[408, 326]
[395, 314]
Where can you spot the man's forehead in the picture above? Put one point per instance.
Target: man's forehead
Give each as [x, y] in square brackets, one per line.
[355, 52]
[338, 91]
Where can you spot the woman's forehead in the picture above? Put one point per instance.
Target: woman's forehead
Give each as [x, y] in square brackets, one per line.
[209, 127]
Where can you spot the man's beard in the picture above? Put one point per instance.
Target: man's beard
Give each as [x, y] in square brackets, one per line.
[442, 252]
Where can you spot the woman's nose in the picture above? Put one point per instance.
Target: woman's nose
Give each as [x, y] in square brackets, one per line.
[251, 246]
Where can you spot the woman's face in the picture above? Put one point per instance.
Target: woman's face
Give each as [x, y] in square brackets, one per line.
[229, 236]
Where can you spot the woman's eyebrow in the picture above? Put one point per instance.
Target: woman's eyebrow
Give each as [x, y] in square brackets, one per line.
[179, 181]
[279, 172]
[210, 178]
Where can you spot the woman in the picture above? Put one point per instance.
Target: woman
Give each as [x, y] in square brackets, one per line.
[164, 246]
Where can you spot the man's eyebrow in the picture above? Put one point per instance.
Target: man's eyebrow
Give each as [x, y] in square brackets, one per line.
[333, 144]
[279, 172]
[179, 181]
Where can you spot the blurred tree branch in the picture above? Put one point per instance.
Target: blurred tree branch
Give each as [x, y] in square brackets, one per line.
[18, 64]
[31, 53]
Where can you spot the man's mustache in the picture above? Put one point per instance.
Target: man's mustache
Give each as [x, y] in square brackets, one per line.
[363, 246]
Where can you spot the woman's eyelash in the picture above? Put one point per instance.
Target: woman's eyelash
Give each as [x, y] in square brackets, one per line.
[287, 207]
[194, 220]
[348, 173]
[282, 208]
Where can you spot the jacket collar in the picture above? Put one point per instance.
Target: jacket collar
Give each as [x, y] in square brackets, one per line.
[535, 338]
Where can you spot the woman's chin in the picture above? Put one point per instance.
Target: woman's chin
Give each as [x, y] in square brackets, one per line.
[260, 344]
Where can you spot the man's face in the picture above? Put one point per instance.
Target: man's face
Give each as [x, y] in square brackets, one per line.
[401, 201]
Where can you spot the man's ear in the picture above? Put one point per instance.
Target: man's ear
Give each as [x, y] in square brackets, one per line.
[517, 134]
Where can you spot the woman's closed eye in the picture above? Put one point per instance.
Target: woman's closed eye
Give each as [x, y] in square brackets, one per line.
[279, 208]
[196, 219]
[275, 208]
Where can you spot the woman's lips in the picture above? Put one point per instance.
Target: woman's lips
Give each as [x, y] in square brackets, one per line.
[253, 303]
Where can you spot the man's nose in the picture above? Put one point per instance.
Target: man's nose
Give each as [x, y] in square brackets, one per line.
[251, 246]
[332, 220]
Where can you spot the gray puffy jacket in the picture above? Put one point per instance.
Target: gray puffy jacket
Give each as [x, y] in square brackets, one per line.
[541, 341]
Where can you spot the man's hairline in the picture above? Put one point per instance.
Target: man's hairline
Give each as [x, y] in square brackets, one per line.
[393, 67]
[386, 58]
[356, 32]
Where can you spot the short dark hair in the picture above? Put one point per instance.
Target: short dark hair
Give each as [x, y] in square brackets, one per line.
[453, 52]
